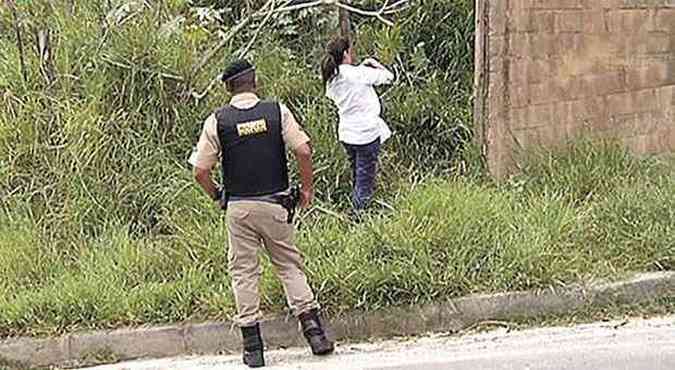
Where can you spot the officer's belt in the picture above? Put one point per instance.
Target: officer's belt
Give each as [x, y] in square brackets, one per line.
[288, 199]
[269, 198]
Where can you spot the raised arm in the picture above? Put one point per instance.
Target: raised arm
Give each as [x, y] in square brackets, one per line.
[372, 72]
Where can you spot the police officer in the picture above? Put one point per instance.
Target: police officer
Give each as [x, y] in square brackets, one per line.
[250, 137]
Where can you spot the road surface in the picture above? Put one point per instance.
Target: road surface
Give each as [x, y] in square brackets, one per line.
[618, 345]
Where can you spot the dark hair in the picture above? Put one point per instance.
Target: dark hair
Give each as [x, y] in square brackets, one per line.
[335, 51]
[243, 83]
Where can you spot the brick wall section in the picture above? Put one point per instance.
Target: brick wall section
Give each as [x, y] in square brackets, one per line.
[548, 71]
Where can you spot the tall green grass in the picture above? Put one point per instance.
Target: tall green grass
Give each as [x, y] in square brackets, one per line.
[447, 238]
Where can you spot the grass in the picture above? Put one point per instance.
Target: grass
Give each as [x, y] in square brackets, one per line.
[446, 238]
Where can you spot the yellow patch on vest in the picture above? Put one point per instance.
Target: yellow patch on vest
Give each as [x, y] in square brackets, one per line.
[252, 128]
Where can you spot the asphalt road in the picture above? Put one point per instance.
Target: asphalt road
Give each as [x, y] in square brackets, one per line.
[618, 345]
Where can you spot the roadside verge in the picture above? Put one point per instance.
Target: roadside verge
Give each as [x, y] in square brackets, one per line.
[282, 332]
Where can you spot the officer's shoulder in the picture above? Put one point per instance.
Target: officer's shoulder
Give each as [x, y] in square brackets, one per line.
[271, 101]
[222, 110]
[274, 104]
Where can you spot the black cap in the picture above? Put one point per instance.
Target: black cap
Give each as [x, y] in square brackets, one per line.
[236, 69]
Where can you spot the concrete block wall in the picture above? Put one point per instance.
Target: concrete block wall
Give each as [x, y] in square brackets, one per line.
[548, 71]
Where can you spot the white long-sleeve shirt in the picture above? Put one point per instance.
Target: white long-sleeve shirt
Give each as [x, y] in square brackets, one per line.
[358, 104]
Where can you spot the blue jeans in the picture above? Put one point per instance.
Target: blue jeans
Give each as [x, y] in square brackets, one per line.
[364, 169]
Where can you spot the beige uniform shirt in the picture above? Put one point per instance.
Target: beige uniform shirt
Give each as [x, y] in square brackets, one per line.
[207, 153]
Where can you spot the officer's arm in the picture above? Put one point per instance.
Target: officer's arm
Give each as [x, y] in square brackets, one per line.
[298, 141]
[303, 153]
[203, 178]
[205, 156]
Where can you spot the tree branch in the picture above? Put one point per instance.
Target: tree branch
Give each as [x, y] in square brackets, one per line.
[229, 36]
[211, 53]
[257, 31]
[305, 6]
[345, 22]
[202, 95]
[385, 10]
[267, 11]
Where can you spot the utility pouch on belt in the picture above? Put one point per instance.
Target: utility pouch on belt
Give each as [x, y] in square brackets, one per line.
[290, 202]
[223, 196]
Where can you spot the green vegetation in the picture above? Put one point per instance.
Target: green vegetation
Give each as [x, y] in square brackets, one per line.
[101, 224]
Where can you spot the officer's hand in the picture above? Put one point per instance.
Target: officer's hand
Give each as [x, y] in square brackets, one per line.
[306, 197]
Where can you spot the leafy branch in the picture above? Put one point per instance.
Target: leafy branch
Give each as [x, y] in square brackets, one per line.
[268, 11]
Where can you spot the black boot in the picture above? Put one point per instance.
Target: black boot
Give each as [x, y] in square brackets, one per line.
[253, 346]
[313, 331]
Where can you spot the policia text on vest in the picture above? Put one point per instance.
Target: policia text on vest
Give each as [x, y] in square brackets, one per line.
[252, 128]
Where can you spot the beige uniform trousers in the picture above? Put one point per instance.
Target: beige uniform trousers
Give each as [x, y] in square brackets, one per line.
[252, 225]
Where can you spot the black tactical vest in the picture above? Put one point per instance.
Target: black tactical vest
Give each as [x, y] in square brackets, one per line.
[252, 149]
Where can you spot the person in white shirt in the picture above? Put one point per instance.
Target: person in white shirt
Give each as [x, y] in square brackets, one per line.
[360, 129]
